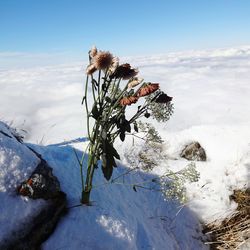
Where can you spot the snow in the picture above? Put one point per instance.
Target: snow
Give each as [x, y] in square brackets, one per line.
[211, 98]
[120, 217]
[227, 167]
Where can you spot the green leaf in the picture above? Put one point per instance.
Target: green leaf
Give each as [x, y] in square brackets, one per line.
[104, 134]
[83, 99]
[104, 160]
[107, 99]
[108, 162]
[136, 127]
[121, 121]
[127, 126]
[94, 82]
[95, 112]
[124, 125]
[107, 172]
[108, 159]
[122, 136]
[104, 87]
[111, 150]
[131, 92]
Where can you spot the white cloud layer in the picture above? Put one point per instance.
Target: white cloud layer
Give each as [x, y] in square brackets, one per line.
[209, 87]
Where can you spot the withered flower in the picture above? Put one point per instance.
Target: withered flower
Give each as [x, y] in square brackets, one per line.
[102, 60]
[128, 100]
[91, 69]
[125, 72]
[134, 82]
[93, 51]
[163, 98]
[114, 64]
[148, 89]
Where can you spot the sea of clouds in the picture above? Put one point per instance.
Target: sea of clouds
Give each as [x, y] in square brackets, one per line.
[208, 86]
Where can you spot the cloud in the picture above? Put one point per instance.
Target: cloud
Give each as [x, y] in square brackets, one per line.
[209, 87]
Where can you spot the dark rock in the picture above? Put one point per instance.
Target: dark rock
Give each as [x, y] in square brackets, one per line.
[194, 152]
[35, 232]
[41, 184]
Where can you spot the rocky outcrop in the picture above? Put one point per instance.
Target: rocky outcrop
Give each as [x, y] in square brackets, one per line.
[39, 221]
[194, 152]
[42, 184]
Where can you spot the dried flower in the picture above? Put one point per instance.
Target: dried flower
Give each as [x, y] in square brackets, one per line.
[134, 82]
[91, 69]
[102, 60]
[125, 72]
[114, 64]
[163, 98]
[148, 89]
[128, 100]
[93, 51]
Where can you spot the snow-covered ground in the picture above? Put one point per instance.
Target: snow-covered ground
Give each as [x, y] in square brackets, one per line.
[119, 217]
[211, 97]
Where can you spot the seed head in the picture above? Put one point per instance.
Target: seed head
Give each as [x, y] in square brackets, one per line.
[102, 60]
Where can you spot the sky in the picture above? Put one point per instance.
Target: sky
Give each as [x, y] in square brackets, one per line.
[68, 28]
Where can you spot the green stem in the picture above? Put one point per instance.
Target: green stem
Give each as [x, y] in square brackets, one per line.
[93, 89]
[80, 164]
[86, 105]
[99, 82]
[94, 146]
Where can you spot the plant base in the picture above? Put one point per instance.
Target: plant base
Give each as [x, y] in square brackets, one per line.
[85, 197]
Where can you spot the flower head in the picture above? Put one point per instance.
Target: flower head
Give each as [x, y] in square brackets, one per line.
[102, 60]
[128, 100]
[148, 89]
[91, 69]
[114, 64]
[163, 98]
[125, 72]
[134, 82]
[93, 51]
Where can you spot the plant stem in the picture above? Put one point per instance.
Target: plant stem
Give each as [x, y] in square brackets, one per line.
[86, 105]
[93, 89]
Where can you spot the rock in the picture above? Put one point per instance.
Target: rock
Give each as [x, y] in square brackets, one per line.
[41, 184]
[25, 223]
[194, 152]
[34, 232]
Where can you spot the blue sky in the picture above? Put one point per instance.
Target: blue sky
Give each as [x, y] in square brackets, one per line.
[131, 27]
